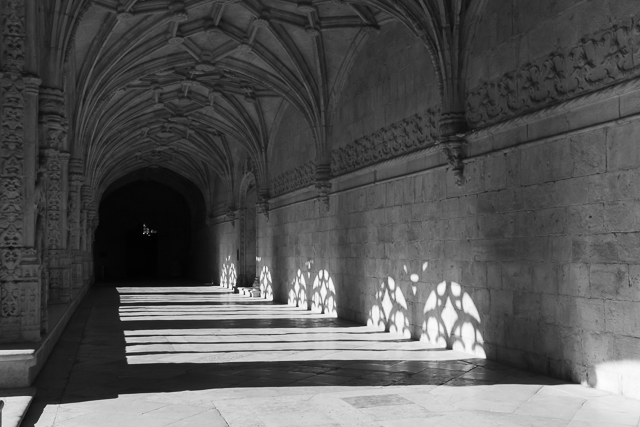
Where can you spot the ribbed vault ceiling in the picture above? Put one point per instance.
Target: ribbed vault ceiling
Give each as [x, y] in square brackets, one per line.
[185, 85]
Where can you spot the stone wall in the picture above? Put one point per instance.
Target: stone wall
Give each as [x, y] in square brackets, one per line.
[533, 264]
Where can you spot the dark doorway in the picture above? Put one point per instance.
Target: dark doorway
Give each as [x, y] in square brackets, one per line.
[142, 253]
[144, 233]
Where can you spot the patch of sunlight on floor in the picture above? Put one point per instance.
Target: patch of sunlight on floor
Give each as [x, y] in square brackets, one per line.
[202, 356]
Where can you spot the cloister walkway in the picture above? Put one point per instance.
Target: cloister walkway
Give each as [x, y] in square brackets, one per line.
[180, 355]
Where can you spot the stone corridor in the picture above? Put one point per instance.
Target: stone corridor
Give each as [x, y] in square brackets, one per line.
[177, 354]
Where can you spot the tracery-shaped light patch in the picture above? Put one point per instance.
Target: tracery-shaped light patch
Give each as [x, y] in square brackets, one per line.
[298, 291]
[390, 311]
[229, 276]
[452, 320]
[324, 294]
[266, 286]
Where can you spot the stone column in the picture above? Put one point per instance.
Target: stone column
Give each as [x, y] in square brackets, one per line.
[240, 276]
[93, 222]
[53, 142]
[19, 282]
[76, 179]
[86, 197]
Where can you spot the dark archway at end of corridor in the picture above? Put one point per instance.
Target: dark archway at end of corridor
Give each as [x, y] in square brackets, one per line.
[146, 230]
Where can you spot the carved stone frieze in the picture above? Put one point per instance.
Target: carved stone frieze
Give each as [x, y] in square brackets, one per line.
[604, 58]
[405, 136]
[294, 179]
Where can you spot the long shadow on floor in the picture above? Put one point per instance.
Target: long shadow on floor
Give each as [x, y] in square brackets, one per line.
[124, 341]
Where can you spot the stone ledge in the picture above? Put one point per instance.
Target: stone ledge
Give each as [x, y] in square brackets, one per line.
[17, 402]
[20, 363]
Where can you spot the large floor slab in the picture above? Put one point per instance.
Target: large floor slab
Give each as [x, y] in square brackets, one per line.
[183, 355]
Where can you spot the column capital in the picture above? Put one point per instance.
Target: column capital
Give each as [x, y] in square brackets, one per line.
[453, 142]
[323, 184]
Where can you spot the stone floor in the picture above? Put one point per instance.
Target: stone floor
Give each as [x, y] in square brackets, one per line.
[148, 356]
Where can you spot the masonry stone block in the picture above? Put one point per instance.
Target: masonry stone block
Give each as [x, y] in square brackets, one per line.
[623, 152]
[495, 173]
[376, 196]
[588, 152]
[517, 276]
[599, 346]
[597, 248]
[623, 216]
[495, 201]
[574, 280]
[550, 221]
[474, 274]
[409, 190]
[589, 314]
[585, 219]
[501, 302]
[623, 317]
[523, 224]
[572, 347]
[549, 343]
[608, 280]
[526, 305]
[545, 278]
[513, 167]
[628, 247]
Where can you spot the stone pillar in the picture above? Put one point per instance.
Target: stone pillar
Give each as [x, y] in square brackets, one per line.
[76, 179]
[53, 142]
[19, 283]
[86, 197]
[93, 221]
[240, 264]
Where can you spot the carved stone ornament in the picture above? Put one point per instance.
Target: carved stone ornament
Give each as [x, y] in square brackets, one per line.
[455, 151]
[13, 87]
[604, 58]
[408, 135]
[295, 179]
[9, 299]
[324, 191]
[263, 203]
[231, 215]
[453, 129]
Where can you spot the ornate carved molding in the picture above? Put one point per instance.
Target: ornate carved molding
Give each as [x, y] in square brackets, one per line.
[294, 179]
[323, 185]
[12, 93]
[453, 129]
[602, 59]
[405, 136]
